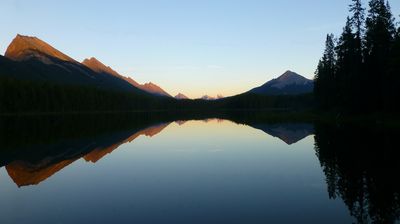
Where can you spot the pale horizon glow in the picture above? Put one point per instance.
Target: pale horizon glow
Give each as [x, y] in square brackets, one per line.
[191, 47]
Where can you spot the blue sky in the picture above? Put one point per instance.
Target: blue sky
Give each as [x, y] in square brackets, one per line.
[194, 47]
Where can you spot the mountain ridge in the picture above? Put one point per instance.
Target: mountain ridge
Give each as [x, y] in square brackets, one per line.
[99, 67]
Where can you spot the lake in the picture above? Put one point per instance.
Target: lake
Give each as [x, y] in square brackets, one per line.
[195, 169]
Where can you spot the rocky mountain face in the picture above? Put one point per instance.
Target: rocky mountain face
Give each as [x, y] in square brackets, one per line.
[23, 48]
[290, 83]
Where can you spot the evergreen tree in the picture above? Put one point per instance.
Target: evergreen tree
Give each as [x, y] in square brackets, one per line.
[363, 74]
[379, 38]
[324, 87]
[358, 18]
[358, 21]
[347, 73]
[392, 95]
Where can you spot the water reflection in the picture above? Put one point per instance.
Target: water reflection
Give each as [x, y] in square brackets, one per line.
[361, 167]
[360, 164]
[35, 148]
[25, 173]
[290, 133]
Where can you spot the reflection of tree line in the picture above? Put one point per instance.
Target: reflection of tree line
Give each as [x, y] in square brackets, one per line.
[361, 167]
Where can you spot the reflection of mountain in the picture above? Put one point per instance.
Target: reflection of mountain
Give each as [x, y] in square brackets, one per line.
[26, 173]
[180, 123]
[218, 120]
[289, 133]
[33, 148]
[99, 153]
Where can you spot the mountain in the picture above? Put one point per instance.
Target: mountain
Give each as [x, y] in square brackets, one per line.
[181, 96]
[33, 59]
[29, 58]
[99, 67]
[207, 97]
[290, 83]
[154, 89]
[23, 48]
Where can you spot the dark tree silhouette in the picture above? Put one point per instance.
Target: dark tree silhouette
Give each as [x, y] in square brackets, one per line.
[379, 38]
[324, 86]
[392, 92]
[365, 74]
[346, 77]
[359, 164]
[358, 18]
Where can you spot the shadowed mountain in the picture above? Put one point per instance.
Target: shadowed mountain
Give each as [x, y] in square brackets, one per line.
[290, 133]
[24, 172]
[290, 83]
[99, 67]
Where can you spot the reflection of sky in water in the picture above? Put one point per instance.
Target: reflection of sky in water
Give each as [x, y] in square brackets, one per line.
[218, 172]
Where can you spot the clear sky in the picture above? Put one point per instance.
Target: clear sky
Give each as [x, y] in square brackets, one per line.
[194, 47]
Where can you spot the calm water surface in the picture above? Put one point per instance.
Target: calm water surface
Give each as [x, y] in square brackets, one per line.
[196, 171]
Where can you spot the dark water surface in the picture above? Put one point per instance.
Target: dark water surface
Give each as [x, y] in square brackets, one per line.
[157, 169]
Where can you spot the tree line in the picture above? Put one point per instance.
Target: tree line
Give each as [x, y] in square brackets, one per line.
[32, 96]
[359, 72]
[26, 96]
